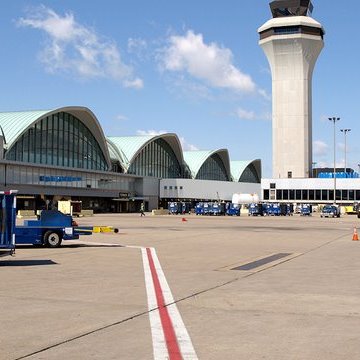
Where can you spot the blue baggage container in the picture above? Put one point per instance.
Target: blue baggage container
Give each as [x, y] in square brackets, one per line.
[216, 209]
[233, 210]
[199, 209]
[173, 208]
[207, 209]
[274, 210]
[256, 209]
[306, 210]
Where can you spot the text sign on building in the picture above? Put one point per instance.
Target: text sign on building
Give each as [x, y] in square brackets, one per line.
[123, 195]
[59, 178]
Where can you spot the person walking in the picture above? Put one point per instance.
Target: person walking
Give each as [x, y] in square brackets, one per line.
[142, 209]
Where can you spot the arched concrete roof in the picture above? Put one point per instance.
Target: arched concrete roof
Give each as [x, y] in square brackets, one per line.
[238, 168]
[125, 149]
[16, 123]
[196, 158]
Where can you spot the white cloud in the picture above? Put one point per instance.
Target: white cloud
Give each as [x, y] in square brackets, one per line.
[245, 115]
[121, 117]
[207, 62]
[250, 115]
[135, 83]
[320, 148]
[78, 50]
[138, 47]
[264, 94]
[186, 146]
[151, 132]
[341, 147]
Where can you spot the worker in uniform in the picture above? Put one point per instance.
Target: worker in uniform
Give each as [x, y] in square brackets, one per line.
[142, 209]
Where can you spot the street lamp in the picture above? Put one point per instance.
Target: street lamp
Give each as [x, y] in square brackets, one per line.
[314, 169]
[334, 120]
[345, 131]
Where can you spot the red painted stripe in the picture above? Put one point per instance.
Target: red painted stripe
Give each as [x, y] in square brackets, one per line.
[168, 328]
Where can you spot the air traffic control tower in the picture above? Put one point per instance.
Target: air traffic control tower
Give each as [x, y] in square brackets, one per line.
[292, 42]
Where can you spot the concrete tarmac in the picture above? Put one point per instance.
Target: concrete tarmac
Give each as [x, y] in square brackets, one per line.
[88, 301]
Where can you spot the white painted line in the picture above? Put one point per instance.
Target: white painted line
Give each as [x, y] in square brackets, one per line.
[183, 338]
[159, 338]
[157, 332]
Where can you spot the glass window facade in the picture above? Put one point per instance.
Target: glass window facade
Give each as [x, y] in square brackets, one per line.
[287, 30]
[60, 140]
[157, 159]
[250, 175]
[314, 195]
[213, 169]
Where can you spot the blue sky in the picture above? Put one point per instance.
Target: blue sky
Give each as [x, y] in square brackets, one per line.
[189, 67]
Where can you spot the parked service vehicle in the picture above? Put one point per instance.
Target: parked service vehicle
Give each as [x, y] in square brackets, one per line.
[218, 208]
[273, 210]
[233, 210]
[199, 208]
[286, 209]
[50, 229]
[207, 209]
[7, 222]
[185, 207]
[356, 209]
[173, 208]
[330, 211]
[306, 210]
[256, 209]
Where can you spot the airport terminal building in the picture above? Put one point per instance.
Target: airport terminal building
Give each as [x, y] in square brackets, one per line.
[64, 154]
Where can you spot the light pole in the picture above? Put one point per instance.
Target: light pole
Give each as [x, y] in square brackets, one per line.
[334, 120]
[314, 169]
[345, 131]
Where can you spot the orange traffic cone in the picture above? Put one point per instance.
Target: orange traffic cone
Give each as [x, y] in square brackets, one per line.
[355, 235]
[183, 220]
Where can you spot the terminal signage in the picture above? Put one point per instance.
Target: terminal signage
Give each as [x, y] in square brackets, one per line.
[59, 178]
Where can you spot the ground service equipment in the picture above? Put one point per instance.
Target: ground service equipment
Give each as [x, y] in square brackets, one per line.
[218, 209]
[199, 208]
[50, 229]
[233, 210]
[173, 208]
[273, 210]
[256, 210]
[7, 222]
[306, 210]
[330, 211]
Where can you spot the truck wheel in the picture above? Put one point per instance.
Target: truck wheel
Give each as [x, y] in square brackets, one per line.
[52, 239]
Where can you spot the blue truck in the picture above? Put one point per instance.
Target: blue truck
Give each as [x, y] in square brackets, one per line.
[49, 229]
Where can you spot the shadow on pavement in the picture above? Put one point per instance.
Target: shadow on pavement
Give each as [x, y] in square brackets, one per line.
[27, 262]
